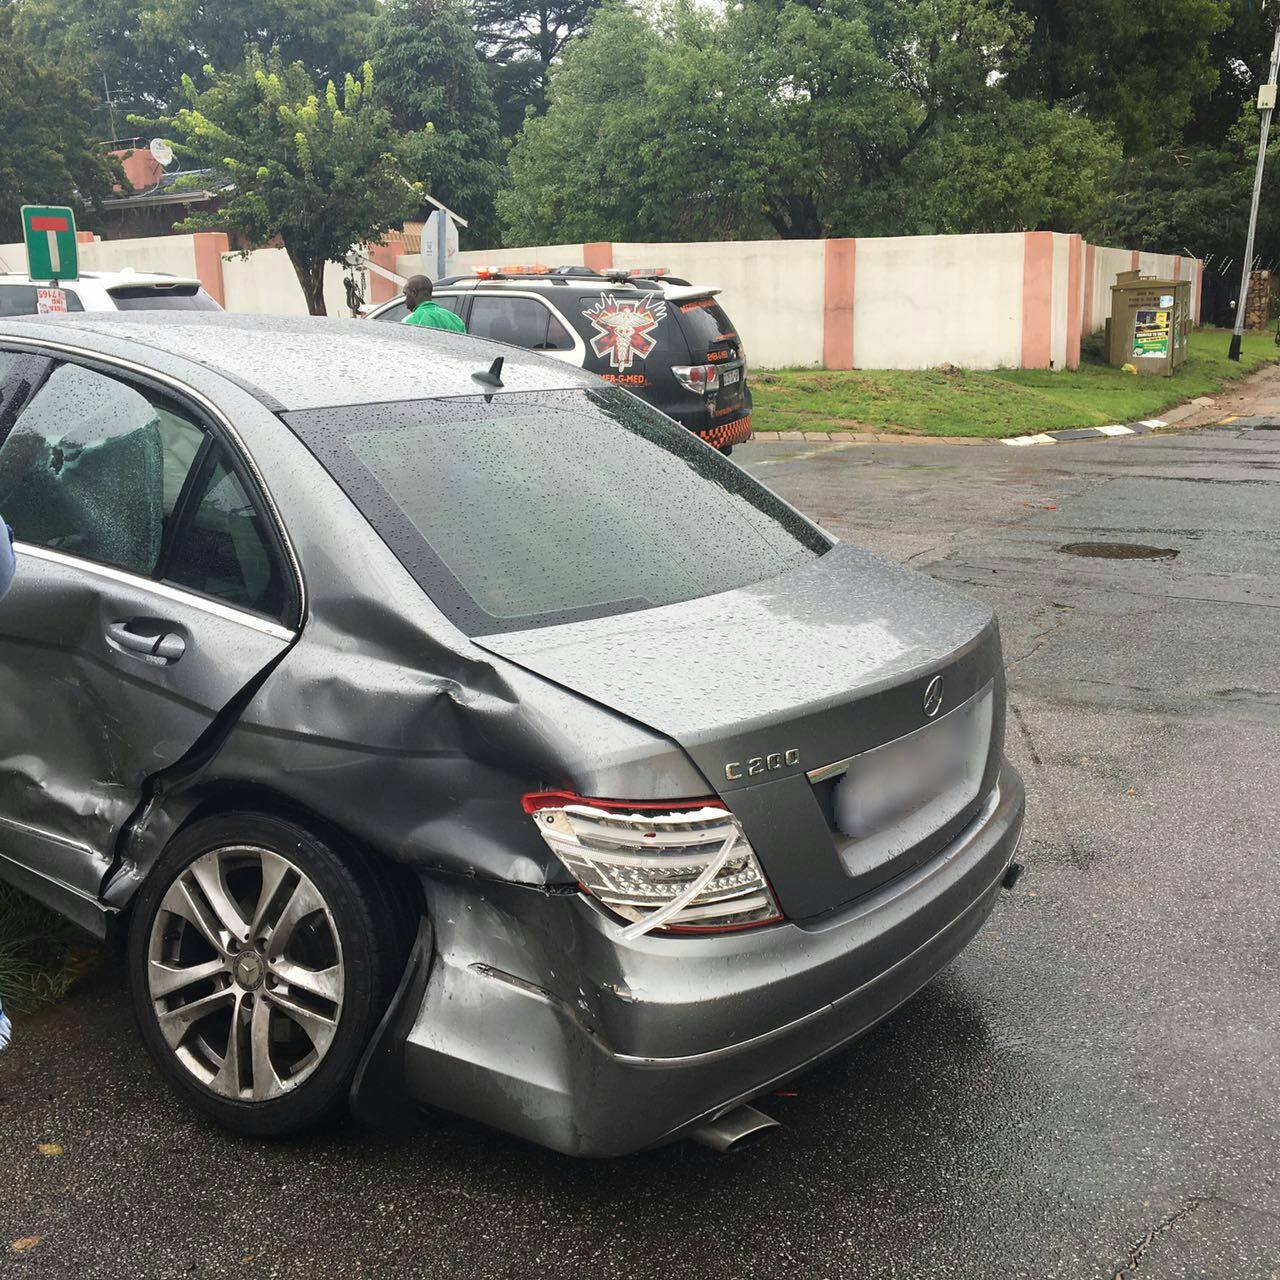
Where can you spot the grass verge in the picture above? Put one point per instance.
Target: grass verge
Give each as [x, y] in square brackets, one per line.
[998, 402]
[40, 954]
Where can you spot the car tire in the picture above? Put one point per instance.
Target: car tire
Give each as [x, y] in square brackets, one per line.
[726, 449]
[260, 961]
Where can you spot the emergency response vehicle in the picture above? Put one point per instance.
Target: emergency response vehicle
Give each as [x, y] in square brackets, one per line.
[668, 341]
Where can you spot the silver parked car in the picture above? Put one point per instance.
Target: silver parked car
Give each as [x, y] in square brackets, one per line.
[443, 724]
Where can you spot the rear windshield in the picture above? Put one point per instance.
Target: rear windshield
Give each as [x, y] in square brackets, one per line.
[162, 297]
[705, 323]
[551, 507]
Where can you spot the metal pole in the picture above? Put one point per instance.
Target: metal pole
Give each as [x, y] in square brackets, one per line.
[1247, 269]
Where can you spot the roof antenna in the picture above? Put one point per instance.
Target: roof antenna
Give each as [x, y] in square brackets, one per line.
[494, 376]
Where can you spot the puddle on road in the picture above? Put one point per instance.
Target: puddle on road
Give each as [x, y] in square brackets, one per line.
[1117, 551]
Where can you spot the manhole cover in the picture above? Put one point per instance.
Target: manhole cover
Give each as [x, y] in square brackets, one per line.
[1118, 551]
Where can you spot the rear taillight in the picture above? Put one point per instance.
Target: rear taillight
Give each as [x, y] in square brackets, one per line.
[702, 379]
[684, 867]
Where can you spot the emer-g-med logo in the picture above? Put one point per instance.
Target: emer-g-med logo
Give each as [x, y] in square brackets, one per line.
[761, 764]
[626, 330]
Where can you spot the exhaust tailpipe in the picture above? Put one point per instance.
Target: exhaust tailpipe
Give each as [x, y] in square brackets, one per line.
[734, 1129]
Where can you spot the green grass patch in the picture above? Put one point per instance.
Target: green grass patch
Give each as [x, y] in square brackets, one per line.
[40, 954]
[998, 402]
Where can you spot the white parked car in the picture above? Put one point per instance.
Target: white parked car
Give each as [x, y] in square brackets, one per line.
[125, 290]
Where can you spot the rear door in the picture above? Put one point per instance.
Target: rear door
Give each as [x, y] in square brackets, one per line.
[151, 588]
[524, 320]
[713, 340]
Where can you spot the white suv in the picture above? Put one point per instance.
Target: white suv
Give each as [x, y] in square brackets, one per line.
[125, 290]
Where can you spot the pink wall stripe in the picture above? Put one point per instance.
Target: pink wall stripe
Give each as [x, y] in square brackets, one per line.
[1037, 298]
[598, 255]
[209, 246]
[839, 268]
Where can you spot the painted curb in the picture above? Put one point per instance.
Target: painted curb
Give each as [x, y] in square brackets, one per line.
[1087, 433]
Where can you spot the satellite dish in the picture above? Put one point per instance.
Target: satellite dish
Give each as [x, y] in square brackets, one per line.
[161, 152]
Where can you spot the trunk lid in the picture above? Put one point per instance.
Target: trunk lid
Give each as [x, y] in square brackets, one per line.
[804, 674]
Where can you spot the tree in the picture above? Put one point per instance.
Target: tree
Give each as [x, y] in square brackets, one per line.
[1195, 197]
[50, 155]
[837, 117]
[1141, 68]
[521, 40]
[318, 171]
[429, 75]
[1017, 165]
[141, 49]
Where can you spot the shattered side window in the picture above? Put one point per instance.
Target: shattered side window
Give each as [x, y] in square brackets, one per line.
[93, 467]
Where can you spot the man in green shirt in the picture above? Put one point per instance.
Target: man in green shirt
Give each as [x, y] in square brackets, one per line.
[425, 313]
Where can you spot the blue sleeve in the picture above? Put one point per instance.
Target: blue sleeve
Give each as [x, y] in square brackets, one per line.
[6, 557]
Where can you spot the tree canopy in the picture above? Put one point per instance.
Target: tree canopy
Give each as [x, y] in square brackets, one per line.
[845, 118]
[429, 74]
[139, 50]
[662, 119]
[318, 171]
[50, 153]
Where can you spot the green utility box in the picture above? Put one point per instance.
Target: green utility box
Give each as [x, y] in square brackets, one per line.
[1150, 321]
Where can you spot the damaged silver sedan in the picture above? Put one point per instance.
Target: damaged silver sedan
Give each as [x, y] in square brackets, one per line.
[440, 724]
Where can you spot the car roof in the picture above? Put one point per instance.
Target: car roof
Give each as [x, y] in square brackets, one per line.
[306, 362]
[107, 279]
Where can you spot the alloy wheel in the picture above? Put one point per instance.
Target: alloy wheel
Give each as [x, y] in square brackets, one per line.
[245, 973]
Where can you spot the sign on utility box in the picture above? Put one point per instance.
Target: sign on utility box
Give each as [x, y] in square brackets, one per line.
[50, 235]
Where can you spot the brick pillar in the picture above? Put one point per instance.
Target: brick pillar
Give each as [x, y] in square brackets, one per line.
[85, 237]
[209, 248]
[598, 255]
[1037, 298]
[380, 288]
[840, 257]
[1133, 260]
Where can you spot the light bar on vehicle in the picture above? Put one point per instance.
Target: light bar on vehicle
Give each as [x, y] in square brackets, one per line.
[486, 273]
[682, 866]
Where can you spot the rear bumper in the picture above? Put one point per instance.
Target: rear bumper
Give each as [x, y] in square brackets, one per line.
[538, 1020]
[726, 433]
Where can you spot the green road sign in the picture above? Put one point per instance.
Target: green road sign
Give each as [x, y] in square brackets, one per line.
[50, 234]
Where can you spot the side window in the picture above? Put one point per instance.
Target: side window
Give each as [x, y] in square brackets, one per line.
[401, 309]
[93, 467]
[30, 299]
[525, 322]
[222, 548]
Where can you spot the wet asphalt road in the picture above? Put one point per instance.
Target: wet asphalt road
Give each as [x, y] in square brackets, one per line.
[1090, 1090]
